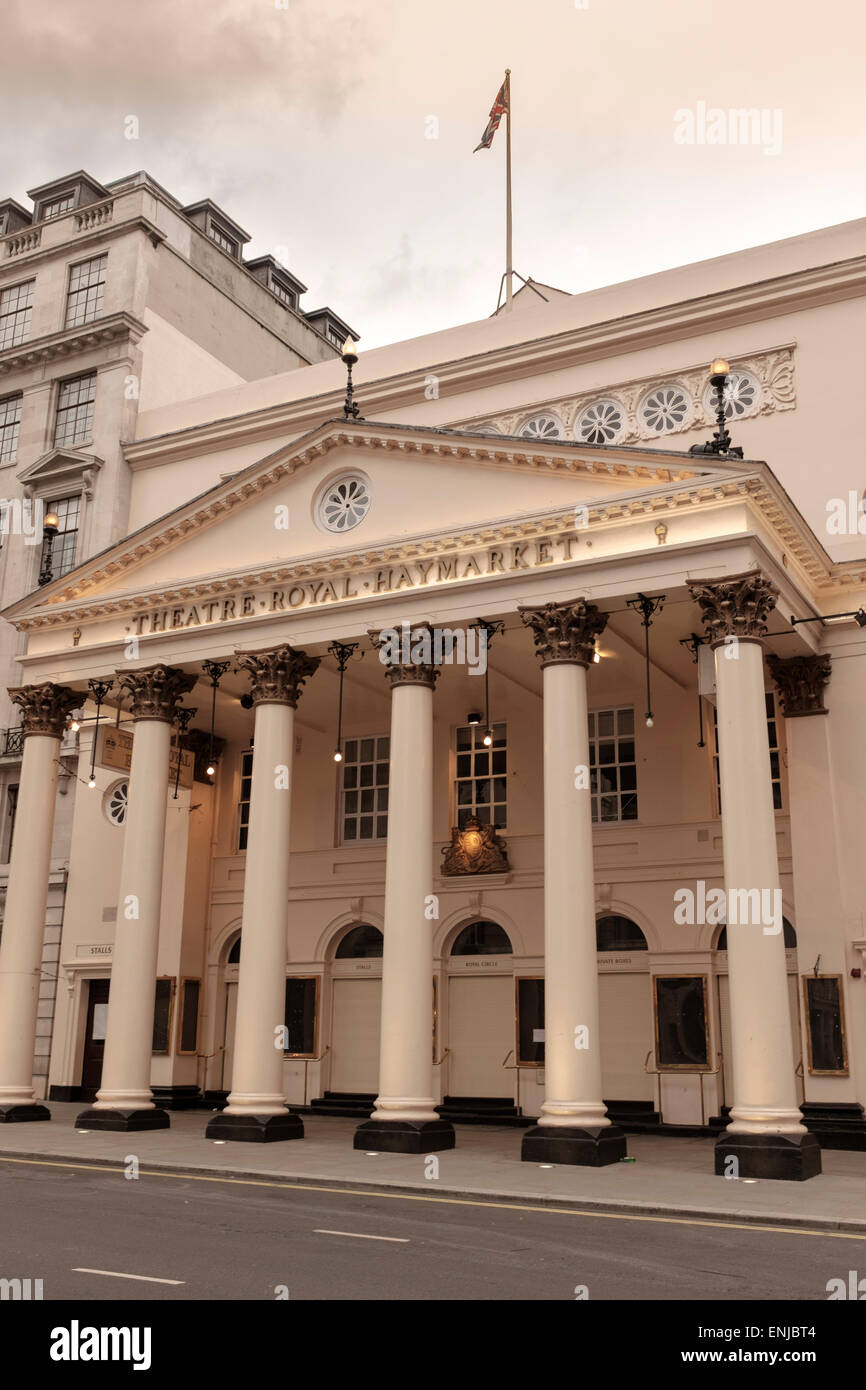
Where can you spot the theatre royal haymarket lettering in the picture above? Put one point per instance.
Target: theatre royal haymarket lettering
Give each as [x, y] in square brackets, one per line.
[388, 579]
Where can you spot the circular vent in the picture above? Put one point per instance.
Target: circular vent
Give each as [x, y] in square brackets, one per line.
[542, 427]
[344, 503]
[115, 803]
[664, 409]
[742, 394]
[600, 423]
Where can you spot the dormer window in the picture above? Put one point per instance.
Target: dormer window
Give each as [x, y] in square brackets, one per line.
[283, 294]
[216, 233]
[57, 206]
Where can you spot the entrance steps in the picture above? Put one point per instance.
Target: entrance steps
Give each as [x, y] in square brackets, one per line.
[352, 1104]
[481, 1110]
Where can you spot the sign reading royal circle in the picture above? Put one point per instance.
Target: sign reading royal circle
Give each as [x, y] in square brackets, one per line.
[115, 751]
[310, 593]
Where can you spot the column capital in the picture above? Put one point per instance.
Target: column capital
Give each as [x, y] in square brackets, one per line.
[277, 674]
[565, 633]
[408, 654]
[44, 708]
[155, 691]
[801, 681]
[736, 605]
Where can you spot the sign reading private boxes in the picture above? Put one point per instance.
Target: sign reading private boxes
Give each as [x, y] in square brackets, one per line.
[115, 750]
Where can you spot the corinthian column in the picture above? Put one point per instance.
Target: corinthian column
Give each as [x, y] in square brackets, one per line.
[574, 1125]
[43, 710]
[765, 1137]
[124, 1100]
[256, 1109]
[405, 1118]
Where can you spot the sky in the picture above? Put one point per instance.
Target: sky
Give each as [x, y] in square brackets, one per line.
[341, 135]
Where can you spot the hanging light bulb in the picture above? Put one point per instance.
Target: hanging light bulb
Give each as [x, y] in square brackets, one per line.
[75, 726]
[596, 656]
[488, 738]
[338, 757]
[210, 770]
[649, 721]
[91, 781]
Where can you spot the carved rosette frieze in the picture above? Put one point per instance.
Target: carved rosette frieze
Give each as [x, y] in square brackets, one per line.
[476, 849]
[736, 606]
[565, 633]
[45, 708]
[277, 675]
[408, 654]
[801, 681]
[155, 692]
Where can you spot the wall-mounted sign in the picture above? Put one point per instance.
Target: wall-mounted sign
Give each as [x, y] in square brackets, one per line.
[99, 950]
[115, 751]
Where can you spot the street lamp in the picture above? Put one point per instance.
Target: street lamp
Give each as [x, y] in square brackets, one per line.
[50, 527]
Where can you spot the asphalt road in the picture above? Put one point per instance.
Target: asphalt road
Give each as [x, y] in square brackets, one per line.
[223, 1240]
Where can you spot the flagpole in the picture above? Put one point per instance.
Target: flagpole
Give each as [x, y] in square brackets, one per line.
[508, 267]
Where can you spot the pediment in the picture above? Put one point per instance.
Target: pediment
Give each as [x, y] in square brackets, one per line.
[425, 487]
[59, 468]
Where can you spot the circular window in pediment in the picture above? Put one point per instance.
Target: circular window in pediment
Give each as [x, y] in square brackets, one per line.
[542, 426]
[343, 503]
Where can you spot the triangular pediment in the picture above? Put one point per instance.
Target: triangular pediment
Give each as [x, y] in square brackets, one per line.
[422, 487]
[58, 469]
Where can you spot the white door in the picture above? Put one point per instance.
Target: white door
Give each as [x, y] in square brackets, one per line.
[480, 1034]
[229, 1035]
[725, 1019]
[355, 1036]
[625, 1007]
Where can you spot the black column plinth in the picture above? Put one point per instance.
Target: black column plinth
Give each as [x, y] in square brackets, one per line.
[123, 1121]
[255, 1129]
[21, 1114]
[592, 1148]
[785, 1157]
[405, 1136]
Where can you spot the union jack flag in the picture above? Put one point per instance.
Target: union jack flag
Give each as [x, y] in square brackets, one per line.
[500, 106]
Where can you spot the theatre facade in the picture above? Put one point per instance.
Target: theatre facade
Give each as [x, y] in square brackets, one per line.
[589, 861]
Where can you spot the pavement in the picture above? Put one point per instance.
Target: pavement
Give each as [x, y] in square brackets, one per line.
[670, 1176]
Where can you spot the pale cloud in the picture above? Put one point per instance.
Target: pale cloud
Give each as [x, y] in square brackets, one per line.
[307, 123]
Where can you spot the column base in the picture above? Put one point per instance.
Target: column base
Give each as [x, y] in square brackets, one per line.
[123, 1121]
[405, 1136]
[592, 1148]
[20, 1114]
[255, 1129]
[785, 1157]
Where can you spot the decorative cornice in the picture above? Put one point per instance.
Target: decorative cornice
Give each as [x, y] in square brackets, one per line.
[801, 681]
[72, 340]
[44, 708]
[155, 691]
[736, 606]
[564, 633]
[590, 344]
[402, 654]
[772, 370]
[277, 675]
[826, 577]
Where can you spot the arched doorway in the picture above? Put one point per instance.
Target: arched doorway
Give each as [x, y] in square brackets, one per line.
[230, 1009]
[356, 1008]
[481, 1013]
[625, 1008]
[790, 939]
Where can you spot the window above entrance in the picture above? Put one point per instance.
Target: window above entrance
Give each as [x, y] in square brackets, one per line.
[482, 939]
[614, 933]
[361, 943]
